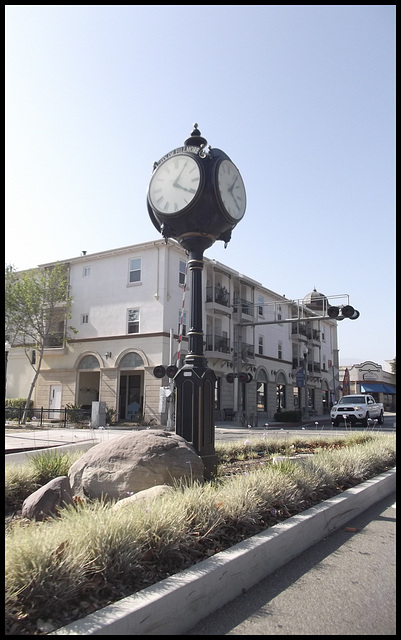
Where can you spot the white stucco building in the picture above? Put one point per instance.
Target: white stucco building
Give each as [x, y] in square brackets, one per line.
[127, 306]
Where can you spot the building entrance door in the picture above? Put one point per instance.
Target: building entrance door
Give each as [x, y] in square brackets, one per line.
[55, 401]
[131, 399]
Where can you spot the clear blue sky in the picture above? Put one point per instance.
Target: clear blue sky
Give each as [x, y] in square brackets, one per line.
[301, 97]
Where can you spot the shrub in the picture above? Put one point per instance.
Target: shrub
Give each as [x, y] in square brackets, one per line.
[14, 408]
[288, 416]
[17, 402]
[110, 415]
[49, 465]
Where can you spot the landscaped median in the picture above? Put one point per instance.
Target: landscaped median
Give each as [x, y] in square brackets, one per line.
[62, 569]
[175, 605]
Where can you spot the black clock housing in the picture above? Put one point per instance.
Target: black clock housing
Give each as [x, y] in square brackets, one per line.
[205, 215]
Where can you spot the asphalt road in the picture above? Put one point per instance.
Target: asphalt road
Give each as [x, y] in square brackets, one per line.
[17, 439]
[343, 585]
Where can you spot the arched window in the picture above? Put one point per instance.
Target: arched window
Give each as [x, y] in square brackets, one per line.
[131, 361]
[89, 362]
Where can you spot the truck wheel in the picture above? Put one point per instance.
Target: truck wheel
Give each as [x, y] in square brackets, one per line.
[381, 418]
[365, 421]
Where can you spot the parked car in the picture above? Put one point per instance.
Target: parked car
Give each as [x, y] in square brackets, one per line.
[357, 408]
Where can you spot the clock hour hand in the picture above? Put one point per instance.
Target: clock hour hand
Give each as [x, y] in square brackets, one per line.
[178, 186]
[230, 189]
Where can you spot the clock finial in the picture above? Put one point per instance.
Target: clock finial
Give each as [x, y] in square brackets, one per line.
[195, 140]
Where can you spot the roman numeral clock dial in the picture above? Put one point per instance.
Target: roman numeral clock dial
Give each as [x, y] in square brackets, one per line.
[174, 184]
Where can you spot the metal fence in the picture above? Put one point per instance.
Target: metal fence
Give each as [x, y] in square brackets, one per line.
[63, 417]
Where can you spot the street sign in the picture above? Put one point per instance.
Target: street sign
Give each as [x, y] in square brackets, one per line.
[300, 378]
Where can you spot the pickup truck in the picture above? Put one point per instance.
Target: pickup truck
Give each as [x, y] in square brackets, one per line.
[357, 408]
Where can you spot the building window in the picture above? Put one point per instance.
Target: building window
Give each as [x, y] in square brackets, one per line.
[322, 334]
[217, 394]
[33, 356]
[133, 320]
[89, 362]
[182, 272]
[135, 270]
[85, 318]
[280, 393]
[131, 361]
[260, 345]
[279, 314]
[86, 271]
[260, 305]
[261, 396]
[182, 321]
[280, 351]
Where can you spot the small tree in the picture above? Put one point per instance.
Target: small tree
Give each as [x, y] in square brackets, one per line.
[38, 305]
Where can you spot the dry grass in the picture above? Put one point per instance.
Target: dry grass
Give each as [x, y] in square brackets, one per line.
[63, 568]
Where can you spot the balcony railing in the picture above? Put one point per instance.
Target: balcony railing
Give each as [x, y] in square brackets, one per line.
[246, 306]
[54, 341]
[247, 350]
[217, 343]
[315, 366]
[219, 295]
[299, 329]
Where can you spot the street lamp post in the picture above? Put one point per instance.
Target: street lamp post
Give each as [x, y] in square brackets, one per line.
[196, 197]
[7, 351]
[305, 353]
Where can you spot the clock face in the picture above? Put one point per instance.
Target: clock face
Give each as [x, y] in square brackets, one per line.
[231, 189]
[174, 184]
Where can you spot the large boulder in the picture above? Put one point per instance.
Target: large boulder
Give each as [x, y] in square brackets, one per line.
[134, 462]
[145, 496]
[47, 500]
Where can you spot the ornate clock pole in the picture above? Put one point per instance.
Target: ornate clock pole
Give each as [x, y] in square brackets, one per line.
[196, 197]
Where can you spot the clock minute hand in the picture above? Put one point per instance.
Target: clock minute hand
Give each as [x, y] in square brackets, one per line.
[230, 189]
[176, 181]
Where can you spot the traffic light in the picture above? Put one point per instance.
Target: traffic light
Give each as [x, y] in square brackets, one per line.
[171, 370]
[245, 377]
[350, 312]
[159, 371]
[333, 312]
[230, 377]
[342, 312]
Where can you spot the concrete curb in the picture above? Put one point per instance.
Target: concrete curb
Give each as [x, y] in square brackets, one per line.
[176, 604]
[24, 456]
